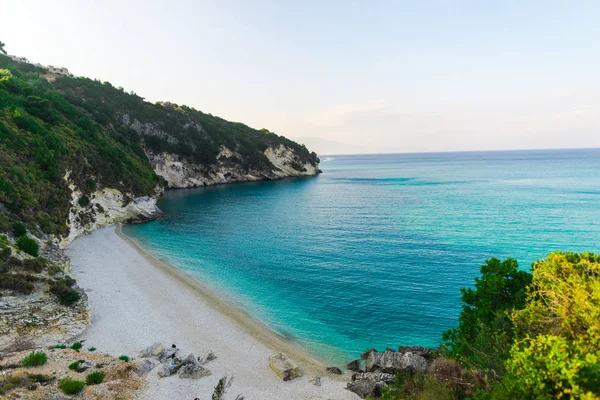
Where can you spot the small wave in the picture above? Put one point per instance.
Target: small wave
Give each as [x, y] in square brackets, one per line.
[327, 159]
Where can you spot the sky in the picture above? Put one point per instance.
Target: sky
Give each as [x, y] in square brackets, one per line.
[342, 76]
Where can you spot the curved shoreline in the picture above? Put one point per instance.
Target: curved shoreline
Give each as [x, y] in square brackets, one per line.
[250, 325]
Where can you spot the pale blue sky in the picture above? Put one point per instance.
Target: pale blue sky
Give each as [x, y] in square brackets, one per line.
[377, 76]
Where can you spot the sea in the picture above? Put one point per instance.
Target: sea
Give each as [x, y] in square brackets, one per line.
[373, 251]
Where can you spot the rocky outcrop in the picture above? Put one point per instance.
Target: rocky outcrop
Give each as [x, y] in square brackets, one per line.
[179, 173]
[283, 367]
[382, 367]
[105, 207]
[391, 362]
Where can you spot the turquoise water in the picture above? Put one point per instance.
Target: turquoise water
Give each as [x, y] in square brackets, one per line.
[372, 253]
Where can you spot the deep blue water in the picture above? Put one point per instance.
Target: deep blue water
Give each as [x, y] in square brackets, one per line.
[372, 253]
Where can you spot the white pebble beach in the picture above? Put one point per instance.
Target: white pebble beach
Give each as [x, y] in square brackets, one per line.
[137, 300]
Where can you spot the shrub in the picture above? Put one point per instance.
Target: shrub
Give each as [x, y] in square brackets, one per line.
[60, 346]
[77, 346]
[28, 245]
[54, 269]
[19, 229]
[74, 365]
[92, 349]
[83, 201]
[34, 359]
[71, 386]
[20, 283]
[95, 378]
[124, 358]
[39, 378]
[61, 287]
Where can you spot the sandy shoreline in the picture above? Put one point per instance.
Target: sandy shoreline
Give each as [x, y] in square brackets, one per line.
[137, 300]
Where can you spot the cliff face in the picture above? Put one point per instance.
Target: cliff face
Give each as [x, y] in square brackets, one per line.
[178, 173]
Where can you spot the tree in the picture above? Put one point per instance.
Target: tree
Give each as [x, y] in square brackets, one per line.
[485, 333]
[2, 48]
[557, 353]
[28, 245]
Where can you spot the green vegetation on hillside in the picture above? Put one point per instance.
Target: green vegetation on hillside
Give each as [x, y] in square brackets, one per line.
[42, 137]
[97, 134]
[520, 336]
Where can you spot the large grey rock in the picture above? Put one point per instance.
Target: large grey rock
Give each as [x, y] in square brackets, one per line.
[373, 376]
[353, 366]
[144, 366]
[192, 371]
[167, 355]
[365, 354]
[392, 362]
[365, 388]
[169, 369]
[413, 362]
[84, 366]
[284, 367]
[334, 370]
[190, 359]
[427, 353]
[387, 361]
[152, 351]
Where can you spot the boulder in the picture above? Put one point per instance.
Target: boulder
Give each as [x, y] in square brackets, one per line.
[366, 353]
[192, 371]
[284, 367]
[169, 369]
[84, 366]
[152, 351]
[144, 366]
[353, 366]
[426, 352]
[392, 362]
[387, 361]
[334, 370]
[166, 355]
[365, 388]
[190, 359]
[374, 376]
[413, 362]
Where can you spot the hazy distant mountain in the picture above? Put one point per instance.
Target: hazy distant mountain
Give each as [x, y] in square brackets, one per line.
[327, 147]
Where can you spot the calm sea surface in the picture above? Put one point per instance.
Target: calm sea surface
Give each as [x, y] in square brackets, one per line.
[372, 252]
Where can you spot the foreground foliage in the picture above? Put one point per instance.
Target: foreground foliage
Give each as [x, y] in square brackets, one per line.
[520, 336]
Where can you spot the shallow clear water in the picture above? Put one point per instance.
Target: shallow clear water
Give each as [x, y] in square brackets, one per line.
[372, 253]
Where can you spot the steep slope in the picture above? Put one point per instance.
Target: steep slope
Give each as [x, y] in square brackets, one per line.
[77, 154]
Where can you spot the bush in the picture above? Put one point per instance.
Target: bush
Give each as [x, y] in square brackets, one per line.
[61, 287]
[77, 346]
[28, 245]
[124, 358]
[40, 378]
[95, 378]
[74, 365]
[60, 346]
[34, 359]
[20, 283]
[70, 386]
[557, 353]
[91, 349]
[19, 229]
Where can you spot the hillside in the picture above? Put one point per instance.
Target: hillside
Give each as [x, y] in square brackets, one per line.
[77, 153]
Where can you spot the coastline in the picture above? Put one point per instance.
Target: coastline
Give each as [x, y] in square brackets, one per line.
[137, 299]
[270, 338]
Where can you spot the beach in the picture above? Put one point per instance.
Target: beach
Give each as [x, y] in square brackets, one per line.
[137, 300]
